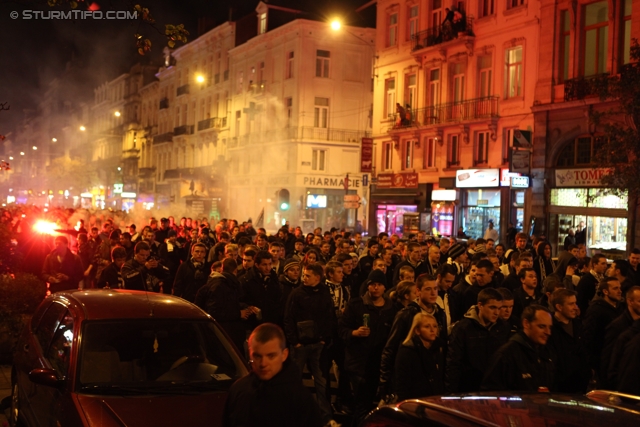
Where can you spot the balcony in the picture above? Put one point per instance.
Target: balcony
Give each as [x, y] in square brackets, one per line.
[183, 90]
[453, 112]
[183, 130]
[443, 33]
[165, 137]
[212, 123]
[257, 88]
[583, 87]
[327, 134]
[164, 103]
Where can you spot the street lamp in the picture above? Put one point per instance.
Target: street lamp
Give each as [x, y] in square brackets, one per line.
[200, 78]
[54, 139]
[34, 148]
[336, 24]
[22, 153]
[82, 128]
[117, 114]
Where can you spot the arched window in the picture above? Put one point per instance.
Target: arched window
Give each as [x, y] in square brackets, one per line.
[580, 152]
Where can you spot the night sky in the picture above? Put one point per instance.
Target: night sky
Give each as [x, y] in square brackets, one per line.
[32, 52]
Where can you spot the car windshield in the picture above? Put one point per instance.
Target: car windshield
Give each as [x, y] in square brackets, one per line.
[156, 356]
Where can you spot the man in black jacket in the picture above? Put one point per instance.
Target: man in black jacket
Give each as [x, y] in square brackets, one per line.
[261, 288]
[142, 273]
[524, 363]
[572, 373]
[484, 274]
[473, 341]
[111, 277]
[308, 324]
[272, 395]
[62, 268]
[414, 260]
[365, 264]
[589, 282]
[192, 274]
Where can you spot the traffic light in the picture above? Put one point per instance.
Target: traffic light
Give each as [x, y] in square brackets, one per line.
[283, 200]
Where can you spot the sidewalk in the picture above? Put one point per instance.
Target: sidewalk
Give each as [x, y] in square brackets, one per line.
[5, 390]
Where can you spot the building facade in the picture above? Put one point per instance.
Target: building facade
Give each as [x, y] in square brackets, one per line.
[454, 86]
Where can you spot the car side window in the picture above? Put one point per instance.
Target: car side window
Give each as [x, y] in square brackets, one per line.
[60, 348]
[48, 325]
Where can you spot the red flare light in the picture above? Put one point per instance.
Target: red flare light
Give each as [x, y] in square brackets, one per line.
[45, 227]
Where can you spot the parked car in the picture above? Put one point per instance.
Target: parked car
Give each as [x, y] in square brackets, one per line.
[122, 358]
[596, 409]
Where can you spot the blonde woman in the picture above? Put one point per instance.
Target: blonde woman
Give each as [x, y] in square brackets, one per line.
[419, 368]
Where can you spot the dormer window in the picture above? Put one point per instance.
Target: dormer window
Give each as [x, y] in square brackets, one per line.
[262, 24]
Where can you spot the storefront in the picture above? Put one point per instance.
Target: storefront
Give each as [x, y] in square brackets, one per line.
[481, 198]
[578, 201]
[327, 208]
[443, 211]
[397, 203]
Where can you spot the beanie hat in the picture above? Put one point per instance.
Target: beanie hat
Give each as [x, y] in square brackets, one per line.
[291, 262]
[455, 251]
[377, 276]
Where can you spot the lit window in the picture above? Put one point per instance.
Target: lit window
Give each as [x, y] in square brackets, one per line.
[289, 69]
[514, 71]
[390, 95]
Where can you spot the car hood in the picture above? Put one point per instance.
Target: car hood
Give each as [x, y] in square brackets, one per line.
[111, 411]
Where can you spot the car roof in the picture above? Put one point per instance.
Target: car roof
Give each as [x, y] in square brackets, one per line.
[505, 409]
[121, 303]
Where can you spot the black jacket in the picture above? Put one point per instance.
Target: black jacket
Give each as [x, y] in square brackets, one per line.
[287, 287]
[629, 368]
[111, 276]
[282, 401]
[471, 346]
[417, 269]
[419, 371]
[456, 299]
[264, 293]
[137, 277]
[309, 304]
[519, 365]
[522, 300]
[363, 353]
[572, 372]
[70, 265]
[598, 317]
[400, 330]
[613, 333]
[511, 282]
[189, 279]
[613, 380]
[586, 291]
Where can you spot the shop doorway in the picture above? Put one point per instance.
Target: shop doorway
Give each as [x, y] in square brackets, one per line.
[606, 235]
[390, 218]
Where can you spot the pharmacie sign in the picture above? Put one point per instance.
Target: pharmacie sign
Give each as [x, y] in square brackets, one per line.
[580, 177]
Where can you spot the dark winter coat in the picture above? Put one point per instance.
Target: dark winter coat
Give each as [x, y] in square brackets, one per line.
[629, 368]
[309, 304]
[520, 365]
[598, 317]
[137, 277]
[456, 299]
[471, 346]
[572, 372]
[70, 265]
[586, 291]
[613, 380]
[419, 371]
[363, 353]
[111, 277]
[614, 331]
[189, 279]
[264, 293]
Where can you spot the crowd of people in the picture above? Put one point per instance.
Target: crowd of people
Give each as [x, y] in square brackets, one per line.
[392, 318]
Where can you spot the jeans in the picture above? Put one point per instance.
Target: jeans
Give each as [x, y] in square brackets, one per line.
[309, 355]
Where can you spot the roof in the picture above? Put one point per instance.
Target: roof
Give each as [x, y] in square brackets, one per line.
[121, 303]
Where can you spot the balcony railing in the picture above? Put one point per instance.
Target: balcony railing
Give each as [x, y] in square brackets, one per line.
[164, 103]
[258, 88]
[582, 87]
[212, 123]
[327, 134]
[442, 33]
[453, 112]
[164, 137]
[183, 130]
[182, 90]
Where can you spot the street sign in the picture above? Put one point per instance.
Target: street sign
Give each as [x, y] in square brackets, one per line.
[351, 198]
[351, 205]
[365, 180]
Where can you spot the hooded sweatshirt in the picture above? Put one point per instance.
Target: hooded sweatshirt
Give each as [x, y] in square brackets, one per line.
[561, 270]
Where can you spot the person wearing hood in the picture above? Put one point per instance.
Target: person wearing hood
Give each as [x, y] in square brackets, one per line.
[220, 297]
[474, 340]
[524, 363]
[364, 328]
[544, 264]
[273, 394]
[419, 369]
[62, 268]
[565, 269]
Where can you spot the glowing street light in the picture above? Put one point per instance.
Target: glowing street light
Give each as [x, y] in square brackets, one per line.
[34, 148]
[117, 114]
[336, 25]
[82, 128]
[200, 78]
[54, 139]
[22, 153]
[10, 157]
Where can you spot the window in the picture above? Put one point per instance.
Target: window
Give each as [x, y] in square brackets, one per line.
[410, 91]
[392, 29]
[60, 350]
[457, 89]
[514, 3]
[263, 23]
[322, 63]
[387, 156]
[430, 153]
[565, 44]
[261, 72]
[453, 151]
[595, 36]
[412, 28]
[484, 76]
[288, 105]
[177, 122]
[408, 154]
[289, 69]
[318, 160]
[481, 149]
[240, 82]
[238, 116]
[513, 82]
[434, 87]
[580, 151]
[486, 8]
[390, 97]
[626, 42]
[436, 14]
[321, 113]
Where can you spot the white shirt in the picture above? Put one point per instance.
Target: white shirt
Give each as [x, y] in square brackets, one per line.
[491, 233]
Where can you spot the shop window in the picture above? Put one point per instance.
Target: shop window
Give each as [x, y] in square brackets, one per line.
[453, 151]
[392, 29]
[412, 27]
[565, 44]
[481, 148]
[514, 72]
[580, 151]
[318, 160]
[387, 156]
[321, 113]
[289, 68]
[430, 153]
[408, 154]
[322, 63]
[626, 41]
[595, 36]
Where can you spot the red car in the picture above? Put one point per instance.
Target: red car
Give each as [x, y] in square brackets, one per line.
[122, 358]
